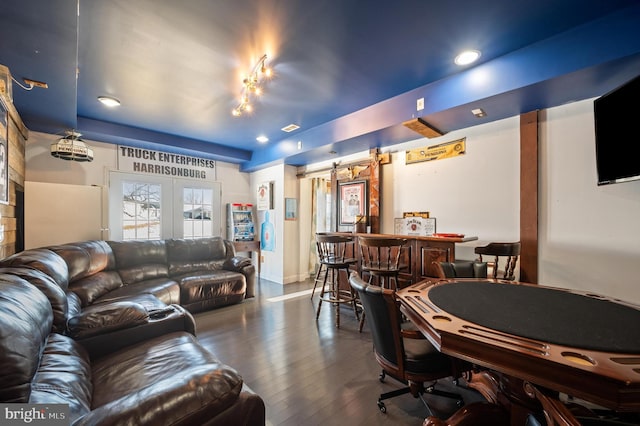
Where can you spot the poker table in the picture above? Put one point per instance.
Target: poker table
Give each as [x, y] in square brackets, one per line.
[549, 339]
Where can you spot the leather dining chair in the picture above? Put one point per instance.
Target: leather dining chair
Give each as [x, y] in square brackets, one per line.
[333, 256]
[461, 269]
[404, 354]
[505, 259]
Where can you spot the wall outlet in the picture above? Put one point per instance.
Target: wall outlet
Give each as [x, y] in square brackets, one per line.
[420, 104]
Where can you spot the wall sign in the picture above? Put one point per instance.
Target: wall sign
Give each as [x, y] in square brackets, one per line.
[140, 160]
[264, 195]
[436, 152]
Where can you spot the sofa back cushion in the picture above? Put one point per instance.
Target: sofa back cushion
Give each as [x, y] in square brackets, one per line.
[203, 254]
[140, 260]
[25, 324]
[43, 260]
[85, 258]
[57, 297]
[91, 266]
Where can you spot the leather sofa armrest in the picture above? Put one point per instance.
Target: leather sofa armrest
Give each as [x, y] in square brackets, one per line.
[105, 318]
[243, 265]
[160, 321]
[236, 263]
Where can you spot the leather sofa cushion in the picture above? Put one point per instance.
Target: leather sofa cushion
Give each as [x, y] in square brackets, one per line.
[85, 258]
[208, 254]
[207, 286]
[132, 254]
[106, 318]
[148, 379]
[92, 287]
[63, 377]
[165, 289]
[24, 328]
[44, 260]
[57, 297]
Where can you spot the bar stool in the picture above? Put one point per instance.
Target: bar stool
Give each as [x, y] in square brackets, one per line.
[380, 258]
[332, 255]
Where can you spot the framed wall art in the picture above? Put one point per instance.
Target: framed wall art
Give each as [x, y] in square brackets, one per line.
[352, 201]
[290, 209]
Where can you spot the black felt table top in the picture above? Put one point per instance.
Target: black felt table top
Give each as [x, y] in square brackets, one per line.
[543, 314]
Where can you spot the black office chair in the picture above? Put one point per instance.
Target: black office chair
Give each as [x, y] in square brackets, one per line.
[405, 355]
[461, 269]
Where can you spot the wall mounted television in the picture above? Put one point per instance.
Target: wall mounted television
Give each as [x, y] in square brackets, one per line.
[617, 131]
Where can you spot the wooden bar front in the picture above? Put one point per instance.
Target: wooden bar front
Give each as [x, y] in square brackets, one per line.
[418, 254]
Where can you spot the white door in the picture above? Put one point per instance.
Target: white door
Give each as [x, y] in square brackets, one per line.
[199, 207]
[152, 207]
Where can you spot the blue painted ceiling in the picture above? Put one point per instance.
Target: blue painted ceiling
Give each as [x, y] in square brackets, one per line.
[347, 72]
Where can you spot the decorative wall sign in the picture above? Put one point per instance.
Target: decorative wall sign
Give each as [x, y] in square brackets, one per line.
[264, 195]
[140, 160]
[436, 152]
[4, 154]
[352, 201]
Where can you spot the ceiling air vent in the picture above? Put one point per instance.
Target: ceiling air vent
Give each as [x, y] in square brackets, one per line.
[290, 128]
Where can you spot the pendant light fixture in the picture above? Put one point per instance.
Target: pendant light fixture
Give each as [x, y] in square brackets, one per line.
[72, 148]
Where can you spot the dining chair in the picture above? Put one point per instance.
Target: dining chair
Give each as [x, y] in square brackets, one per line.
[505, 259]
[461, 269]
[333, 257]
[404, 354]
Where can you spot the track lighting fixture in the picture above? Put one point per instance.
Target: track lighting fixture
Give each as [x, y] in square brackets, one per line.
[252, 86]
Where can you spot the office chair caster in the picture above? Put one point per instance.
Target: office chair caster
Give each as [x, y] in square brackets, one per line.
[381, 378]
[382, 407]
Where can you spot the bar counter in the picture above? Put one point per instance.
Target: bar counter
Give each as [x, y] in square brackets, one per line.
[418, 254]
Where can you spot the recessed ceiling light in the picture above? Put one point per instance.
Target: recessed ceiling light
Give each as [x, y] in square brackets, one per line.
[109, 101]
[467, 57]
[262, 139]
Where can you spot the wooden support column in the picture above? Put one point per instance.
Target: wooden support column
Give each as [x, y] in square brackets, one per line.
[529, 197]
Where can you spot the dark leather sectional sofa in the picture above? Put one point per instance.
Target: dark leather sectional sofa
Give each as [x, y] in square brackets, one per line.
[106, 327]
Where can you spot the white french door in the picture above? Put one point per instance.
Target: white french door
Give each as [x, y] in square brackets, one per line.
[145, 207]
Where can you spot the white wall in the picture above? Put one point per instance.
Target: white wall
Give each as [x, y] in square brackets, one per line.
[589, 235]
[476, 194]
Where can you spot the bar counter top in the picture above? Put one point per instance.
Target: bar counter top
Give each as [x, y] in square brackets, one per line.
[419, 253]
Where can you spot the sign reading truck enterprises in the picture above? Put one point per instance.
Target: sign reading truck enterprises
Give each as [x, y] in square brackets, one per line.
[140, 160]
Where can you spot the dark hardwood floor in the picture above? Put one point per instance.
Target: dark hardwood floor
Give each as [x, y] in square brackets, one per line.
[309, 372]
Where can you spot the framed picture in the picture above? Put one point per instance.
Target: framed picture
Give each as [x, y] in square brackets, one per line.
[290, 209]
[4, 154]
[264, 196]
[352, 201]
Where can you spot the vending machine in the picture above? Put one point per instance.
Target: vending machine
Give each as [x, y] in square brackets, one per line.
[240, 222]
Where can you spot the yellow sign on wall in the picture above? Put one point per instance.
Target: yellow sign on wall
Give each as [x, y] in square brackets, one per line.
[436, 152]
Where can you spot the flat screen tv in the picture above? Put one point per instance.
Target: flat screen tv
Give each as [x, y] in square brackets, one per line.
[617, 128]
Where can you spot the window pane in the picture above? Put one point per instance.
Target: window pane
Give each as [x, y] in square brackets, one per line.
[140, 211]
[197, 211]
